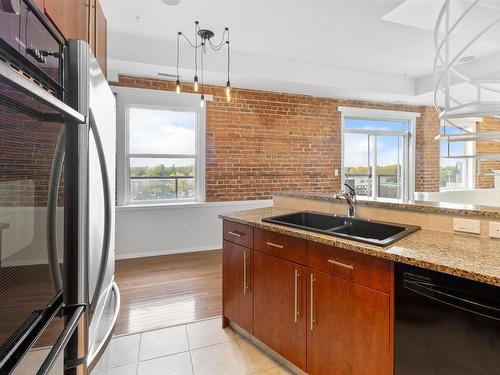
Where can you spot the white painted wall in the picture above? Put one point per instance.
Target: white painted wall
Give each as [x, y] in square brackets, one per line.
[158, 230]
[486, 197]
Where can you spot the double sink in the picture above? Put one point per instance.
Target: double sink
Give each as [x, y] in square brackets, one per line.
[352, 228]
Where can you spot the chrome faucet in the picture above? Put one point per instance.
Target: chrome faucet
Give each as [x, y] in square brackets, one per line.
[350, 198]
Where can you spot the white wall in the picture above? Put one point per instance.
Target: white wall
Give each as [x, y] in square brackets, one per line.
[158, 230]
[486, 197]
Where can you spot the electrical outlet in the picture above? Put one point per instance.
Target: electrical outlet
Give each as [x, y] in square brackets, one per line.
[494, 229]
[466, 225]
[336, 172]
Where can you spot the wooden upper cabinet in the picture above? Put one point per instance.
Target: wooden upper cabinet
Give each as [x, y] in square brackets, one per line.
[280, 306]
[237, 287]
[100, 32]
[71, 17]
[39, 3]
[348, 328]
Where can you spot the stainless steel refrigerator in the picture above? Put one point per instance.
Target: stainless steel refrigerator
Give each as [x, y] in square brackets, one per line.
[57, 196]
[90, 224]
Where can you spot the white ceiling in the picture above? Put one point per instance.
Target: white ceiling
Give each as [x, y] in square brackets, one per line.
[365, 49]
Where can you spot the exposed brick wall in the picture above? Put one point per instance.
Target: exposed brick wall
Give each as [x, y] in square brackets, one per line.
[482, 147]
[427, 150]
[262, 142]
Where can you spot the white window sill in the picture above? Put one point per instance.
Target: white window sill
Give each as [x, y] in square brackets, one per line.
[190, 204]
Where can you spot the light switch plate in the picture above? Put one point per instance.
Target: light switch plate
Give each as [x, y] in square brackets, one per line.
[467, 225]
[494, 229]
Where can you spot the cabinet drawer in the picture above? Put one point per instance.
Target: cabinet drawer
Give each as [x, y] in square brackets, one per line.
[285, 247]
[362, 269]
[238, 233]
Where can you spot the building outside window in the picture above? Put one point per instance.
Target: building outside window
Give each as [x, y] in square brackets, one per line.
[162, 137]
[378, 152]
[456, 172]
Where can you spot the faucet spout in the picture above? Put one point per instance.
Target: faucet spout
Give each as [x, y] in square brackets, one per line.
[350, 198]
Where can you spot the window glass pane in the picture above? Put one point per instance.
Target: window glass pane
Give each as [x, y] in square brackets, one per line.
[161, 179]
[452, 174]
[389, 166]
[357, 166]
[155, 131]
[390, 125]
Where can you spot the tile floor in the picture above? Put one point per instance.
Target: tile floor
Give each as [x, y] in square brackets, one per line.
[200, 348]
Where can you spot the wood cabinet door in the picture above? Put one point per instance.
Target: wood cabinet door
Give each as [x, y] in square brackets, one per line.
[237, 287]
[348, 328]
[71, 17]
[39, 3]
[100, 37]
[279, 306]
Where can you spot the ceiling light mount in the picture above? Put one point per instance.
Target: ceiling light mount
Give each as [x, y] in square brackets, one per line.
[205, 34]
[200, 49]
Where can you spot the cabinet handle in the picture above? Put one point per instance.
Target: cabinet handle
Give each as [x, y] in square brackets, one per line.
[274, 245]
[296, 311]
[348, 266]
[236, 234]
[312, 321]
[245, 287]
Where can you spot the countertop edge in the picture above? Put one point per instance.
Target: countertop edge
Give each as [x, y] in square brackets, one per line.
[366, 249]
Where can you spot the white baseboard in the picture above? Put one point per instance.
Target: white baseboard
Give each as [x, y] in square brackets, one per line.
[142, 254]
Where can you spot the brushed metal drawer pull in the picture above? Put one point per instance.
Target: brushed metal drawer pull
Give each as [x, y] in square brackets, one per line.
[312, 320]
[296, 312]
[245, 287]
[274, 245]
[236, 234]
[348, 266]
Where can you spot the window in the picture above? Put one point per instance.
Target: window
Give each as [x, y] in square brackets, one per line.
[163, 147]
[378, 149]
[456, 172]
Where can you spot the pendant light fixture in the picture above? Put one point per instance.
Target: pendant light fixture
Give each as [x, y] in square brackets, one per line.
[200, 49]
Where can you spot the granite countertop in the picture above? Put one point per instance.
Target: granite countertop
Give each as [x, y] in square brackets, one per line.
[418, 206]
[469, 256]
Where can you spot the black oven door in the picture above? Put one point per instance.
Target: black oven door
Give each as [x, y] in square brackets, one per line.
[445, 325]
[32, 137]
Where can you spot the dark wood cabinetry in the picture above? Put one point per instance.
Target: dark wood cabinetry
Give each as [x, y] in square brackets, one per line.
[79, 19]
[237, 284]
[348, 328]
[71, 17]
[325, 309]
[280, 306]
[97, 33]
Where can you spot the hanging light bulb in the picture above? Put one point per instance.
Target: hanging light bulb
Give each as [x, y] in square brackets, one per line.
[202, 103]
[228, 89]
[177, 86]
[195, 83]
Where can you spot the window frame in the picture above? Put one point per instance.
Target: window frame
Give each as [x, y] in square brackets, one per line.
[469, 148]
[409, 138]
[128, 98]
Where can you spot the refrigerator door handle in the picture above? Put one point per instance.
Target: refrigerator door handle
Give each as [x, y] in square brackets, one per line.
[107, 215]
[433, 292]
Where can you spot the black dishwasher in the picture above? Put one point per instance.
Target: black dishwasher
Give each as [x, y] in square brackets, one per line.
[445, 325]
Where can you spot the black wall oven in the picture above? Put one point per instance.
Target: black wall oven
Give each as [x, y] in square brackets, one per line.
[33, 119]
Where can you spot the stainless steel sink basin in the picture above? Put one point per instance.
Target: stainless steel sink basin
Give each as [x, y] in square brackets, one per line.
[368, 231]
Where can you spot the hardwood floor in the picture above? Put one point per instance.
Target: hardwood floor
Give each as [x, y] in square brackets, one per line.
[162, 291]
[156, 292]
